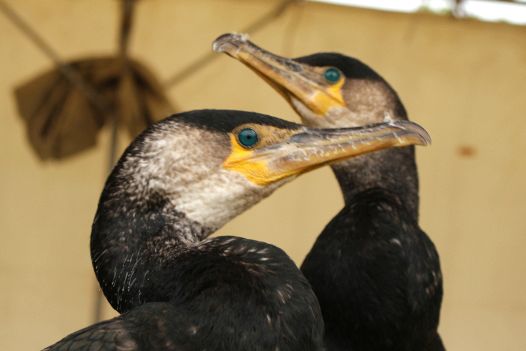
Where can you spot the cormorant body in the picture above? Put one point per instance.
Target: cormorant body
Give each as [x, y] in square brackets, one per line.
[176, 184]
[375, 272]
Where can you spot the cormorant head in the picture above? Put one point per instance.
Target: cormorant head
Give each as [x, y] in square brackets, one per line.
[325, 89]
[211, 165]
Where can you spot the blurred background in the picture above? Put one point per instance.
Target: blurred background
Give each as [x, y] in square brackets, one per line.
[460, 70]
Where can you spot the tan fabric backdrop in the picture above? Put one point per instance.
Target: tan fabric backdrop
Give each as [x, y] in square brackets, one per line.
[465, 81]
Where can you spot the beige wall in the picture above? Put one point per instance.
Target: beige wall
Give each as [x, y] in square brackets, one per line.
[463, 80]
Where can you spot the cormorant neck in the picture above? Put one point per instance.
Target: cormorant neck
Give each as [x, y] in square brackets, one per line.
[132, 242]
[372, 101]
[224, 286]
[392, 169]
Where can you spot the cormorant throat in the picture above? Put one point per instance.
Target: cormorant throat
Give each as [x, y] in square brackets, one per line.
[394, 170]
[159, 203]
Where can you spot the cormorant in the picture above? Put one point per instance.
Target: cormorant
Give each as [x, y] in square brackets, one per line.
[177, 183]
[375, 272]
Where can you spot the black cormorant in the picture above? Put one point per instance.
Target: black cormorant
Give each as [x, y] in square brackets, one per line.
[376, 273]
[177, 183]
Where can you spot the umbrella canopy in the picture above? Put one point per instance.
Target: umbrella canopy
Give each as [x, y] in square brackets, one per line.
[60, 118]
[65, 107]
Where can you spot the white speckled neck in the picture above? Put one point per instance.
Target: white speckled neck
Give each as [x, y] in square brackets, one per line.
[216, 199]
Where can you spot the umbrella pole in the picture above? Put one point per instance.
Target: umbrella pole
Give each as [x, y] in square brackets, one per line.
[112, 158]
[127, 9]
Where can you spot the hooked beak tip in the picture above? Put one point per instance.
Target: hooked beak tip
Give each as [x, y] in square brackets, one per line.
[415, 129]
[229, 42]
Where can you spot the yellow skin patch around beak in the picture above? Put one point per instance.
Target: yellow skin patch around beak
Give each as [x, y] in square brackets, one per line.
[323, 100]
[256, 170]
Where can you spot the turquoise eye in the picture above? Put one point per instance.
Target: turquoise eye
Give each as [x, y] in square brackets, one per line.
[247, 137]
[332, 75]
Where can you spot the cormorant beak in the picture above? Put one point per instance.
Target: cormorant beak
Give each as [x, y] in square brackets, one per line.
[289, 77]
[306, 149]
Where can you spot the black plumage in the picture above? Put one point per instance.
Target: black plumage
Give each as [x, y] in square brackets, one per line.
[377, 277]
[376, 273]
[178, 290]
[220, 303]
[176, 184]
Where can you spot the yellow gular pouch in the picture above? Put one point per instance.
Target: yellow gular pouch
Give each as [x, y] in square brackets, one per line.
[323, 99]
[246, 160]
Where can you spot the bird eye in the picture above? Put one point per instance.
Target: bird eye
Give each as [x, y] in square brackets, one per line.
[332, 75]
[247, 137]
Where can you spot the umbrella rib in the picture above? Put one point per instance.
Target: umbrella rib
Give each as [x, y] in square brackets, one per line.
[69, 72]
[252, 28]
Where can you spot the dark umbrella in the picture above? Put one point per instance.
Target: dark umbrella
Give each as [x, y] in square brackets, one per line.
[60, 118]
[65, 108]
